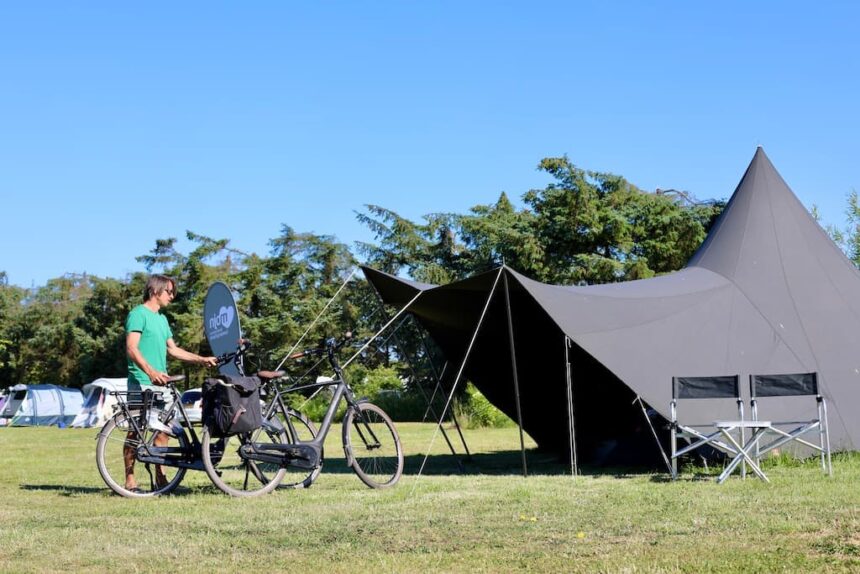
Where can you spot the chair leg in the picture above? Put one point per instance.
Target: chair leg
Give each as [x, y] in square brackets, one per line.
[826, 444]
[823, 455]
[674, 438]
[824, 439]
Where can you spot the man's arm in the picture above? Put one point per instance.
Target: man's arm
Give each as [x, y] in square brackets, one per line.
[132, 340]
[179, 353]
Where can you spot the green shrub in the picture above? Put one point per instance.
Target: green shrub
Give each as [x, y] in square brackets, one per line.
[473, 410]
[369, 383]
[384, 388]
[375, 385]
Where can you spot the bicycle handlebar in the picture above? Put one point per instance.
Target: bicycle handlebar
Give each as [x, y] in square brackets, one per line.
[223, 359]
[330, 345]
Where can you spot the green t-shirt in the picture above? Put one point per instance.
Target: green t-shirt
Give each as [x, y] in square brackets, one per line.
[154, 334]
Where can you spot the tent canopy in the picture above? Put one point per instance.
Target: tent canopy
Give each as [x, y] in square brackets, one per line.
[767, 292]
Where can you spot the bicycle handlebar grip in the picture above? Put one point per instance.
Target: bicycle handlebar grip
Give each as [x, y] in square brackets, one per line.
[223, 359]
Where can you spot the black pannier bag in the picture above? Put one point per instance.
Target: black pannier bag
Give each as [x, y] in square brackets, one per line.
[231, 405]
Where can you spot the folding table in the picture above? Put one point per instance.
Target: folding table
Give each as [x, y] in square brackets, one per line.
[759, 428]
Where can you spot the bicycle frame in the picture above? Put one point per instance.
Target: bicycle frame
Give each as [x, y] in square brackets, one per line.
[305, 454]
[181, 457]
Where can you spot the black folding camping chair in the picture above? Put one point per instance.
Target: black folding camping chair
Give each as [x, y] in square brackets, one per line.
[779, 387]
[699, 388]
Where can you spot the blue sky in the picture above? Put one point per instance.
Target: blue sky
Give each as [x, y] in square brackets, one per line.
[121, 123]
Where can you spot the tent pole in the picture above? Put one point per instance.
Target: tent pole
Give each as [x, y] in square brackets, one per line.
[459, 374]
[513, 350]
[435, 389]
[439, 385]
[656, 438]
[574, 467]
[402, 348]
[444, 434]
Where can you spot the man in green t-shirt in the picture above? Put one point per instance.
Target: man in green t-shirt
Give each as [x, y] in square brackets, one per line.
[148, 341]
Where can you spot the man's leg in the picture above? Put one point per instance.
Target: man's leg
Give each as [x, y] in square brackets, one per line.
[160, 440]
[128, 455]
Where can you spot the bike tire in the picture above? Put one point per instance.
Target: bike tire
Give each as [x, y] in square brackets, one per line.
[301, 428]
[113, 438]
[372, 446]
[236, 475]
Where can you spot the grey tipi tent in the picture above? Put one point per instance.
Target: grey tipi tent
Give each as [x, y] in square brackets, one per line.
[767, 292]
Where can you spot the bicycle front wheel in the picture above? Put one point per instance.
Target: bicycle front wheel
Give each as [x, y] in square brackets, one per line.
[372, 446]
[237, 473]
[118, 448]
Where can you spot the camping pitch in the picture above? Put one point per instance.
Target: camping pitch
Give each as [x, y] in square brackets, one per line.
[41, 405]
[767, 292]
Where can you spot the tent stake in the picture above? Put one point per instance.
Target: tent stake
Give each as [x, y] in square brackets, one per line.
[513, 350]
[457, 378]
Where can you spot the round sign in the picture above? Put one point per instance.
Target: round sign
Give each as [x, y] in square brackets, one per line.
[221, 324]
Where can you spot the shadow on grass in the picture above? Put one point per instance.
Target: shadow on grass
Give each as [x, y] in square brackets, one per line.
[64, 489]
[697, 477]
[500, 463]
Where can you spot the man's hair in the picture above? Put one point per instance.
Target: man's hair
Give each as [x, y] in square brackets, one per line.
[156, 284]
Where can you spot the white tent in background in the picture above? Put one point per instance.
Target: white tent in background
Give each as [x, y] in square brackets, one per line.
[98, 402]
[41, 405]
[3, 397]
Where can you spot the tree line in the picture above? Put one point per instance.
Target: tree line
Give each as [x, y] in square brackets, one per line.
[584, 227]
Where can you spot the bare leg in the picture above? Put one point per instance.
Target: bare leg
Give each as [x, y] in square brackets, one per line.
[160, 440]
[128, 455]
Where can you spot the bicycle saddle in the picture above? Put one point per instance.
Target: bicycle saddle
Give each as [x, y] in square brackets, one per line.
[269, 375]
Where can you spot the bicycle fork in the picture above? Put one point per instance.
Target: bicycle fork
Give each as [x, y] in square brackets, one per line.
[368, 432]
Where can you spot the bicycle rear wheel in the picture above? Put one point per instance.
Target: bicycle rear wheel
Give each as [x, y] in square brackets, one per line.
[237, 474]
[299, 428]
[119, 444]
[372, 445]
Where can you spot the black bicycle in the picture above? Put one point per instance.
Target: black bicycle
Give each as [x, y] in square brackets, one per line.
[151, 436]
[231, 467]
[256, 462]
[150, 439]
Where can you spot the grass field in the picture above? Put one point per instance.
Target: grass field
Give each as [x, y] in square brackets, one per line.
[57, 515]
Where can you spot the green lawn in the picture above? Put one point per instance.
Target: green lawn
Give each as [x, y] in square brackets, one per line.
[57, 515]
